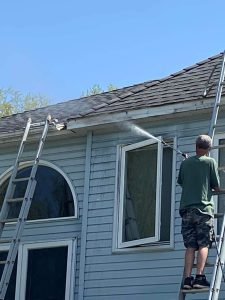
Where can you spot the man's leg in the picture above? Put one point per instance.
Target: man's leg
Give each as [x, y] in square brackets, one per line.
[201, 259]
[189, 261]
[204, 236]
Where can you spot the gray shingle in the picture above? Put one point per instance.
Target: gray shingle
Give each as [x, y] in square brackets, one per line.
[185, 85]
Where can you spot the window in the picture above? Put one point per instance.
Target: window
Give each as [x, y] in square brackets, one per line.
[53, 197]
[44, 270]
[145, 191]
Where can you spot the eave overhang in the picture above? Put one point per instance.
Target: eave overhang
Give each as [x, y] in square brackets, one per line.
[162, 111]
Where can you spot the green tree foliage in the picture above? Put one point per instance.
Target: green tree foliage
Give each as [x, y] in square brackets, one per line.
[12, 101]
[96, 89]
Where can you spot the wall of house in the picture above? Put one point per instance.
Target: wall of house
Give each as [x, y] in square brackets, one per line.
[90, 163]
[68, 153]
[144, 274]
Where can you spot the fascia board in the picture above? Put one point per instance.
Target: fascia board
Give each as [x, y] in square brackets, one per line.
[110, 118]
[14, 136]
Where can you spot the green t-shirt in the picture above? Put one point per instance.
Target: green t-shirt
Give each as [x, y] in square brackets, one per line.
[198, 175]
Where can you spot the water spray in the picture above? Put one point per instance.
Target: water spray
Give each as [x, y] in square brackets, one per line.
[140, 131]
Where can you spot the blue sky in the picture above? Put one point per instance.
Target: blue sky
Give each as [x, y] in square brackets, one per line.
[59, 49]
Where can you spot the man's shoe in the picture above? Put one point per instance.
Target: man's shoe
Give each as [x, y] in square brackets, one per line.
[188, 281]
[200, 282]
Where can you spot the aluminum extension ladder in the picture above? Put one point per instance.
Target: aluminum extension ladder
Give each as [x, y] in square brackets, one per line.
[220, 259]
[25, 203]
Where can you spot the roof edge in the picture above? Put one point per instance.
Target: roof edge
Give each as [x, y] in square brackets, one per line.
[157, 111]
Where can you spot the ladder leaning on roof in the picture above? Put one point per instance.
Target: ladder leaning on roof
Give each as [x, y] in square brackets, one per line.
[25, 202]
[220, 259]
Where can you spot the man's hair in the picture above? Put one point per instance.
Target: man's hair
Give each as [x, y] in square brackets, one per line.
[204, 142]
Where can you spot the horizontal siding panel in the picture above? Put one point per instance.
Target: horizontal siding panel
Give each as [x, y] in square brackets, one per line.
[133, 258]
[102, 151]
[135, 296]
[135, 266]
[99, 244]
[136, 281]
[102, 189]
[102, 181]
[136, 273]
[100, 228]
[100, 220]
[134, 289]
[97, 205]
[98, 252]
[107, 196]
[103, 174]
[103, 166]
[103, 159]
[61, 156]
[100, 212]
[46, 228]
[97, 236]
[77, 164]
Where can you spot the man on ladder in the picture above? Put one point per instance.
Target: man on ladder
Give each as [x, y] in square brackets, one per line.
[198, 176]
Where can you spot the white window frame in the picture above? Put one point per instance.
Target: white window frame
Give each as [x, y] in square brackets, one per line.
[8, 173]
[23, 264]
[156, 237]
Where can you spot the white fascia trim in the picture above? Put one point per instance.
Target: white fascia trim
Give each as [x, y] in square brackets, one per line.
[135, 114]
[14, 136]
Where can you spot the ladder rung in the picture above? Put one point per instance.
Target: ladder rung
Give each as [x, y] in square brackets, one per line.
[195, 291]
[208, 264]
[218, 147]
[39, 124]
[5, 241]
[218, 193]
[21, 179]
[15, 200]
[218, 215]
[221, 168]
[3, 262]
[9, 220]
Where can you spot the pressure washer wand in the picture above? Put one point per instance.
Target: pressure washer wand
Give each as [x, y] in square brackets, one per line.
[177, 151]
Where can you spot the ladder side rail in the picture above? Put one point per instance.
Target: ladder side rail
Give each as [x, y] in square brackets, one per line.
[217, 272]
[217, 100]
[22, 216]
[12, 253]
[9, 192]
[207, 87]
[43, 138]
[11, 186]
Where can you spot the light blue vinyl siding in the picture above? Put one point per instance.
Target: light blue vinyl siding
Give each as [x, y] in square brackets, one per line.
[143, 275]
[105, 275]
[68, 154]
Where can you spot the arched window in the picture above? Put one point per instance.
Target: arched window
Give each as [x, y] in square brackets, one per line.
[53, 197]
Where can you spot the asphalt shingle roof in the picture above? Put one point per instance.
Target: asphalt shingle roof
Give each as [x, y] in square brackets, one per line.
[186, 85]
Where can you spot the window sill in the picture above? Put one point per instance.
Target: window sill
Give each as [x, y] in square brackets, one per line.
[159, 247]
